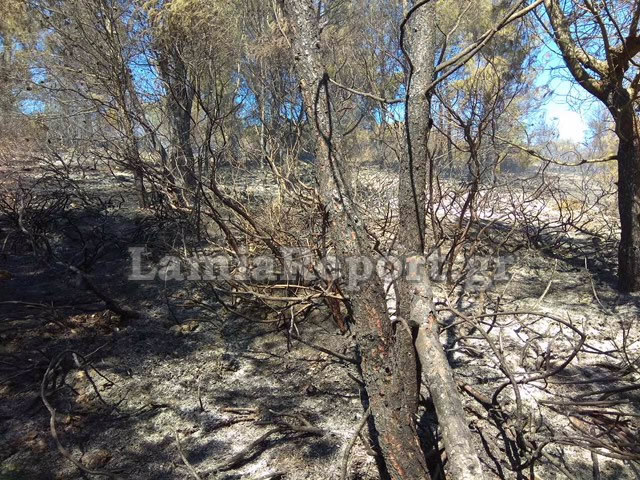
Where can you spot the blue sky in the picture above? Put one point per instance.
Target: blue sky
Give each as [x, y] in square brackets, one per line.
[568, 107]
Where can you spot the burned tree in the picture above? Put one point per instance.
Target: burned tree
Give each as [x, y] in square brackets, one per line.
[599, 43]
[388, 352]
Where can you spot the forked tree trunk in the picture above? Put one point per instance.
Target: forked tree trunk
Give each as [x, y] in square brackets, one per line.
[394, 419]
[415, 297]
[419, 35]
[388, 355]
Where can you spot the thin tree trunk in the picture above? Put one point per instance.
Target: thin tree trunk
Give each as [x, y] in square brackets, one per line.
[179, 100]
[415, 297]
[419, 35]
[628, 197]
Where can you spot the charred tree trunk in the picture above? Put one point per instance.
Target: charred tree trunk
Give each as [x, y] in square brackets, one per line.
[628, 191]
[180, 94]
[463, 459]
[138, 181]
[134, 159]
[393, 418]
[419, 37]
[415, 297]
[388, 353]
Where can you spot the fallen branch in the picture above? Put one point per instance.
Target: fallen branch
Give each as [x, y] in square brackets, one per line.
[237, 458]
[109, 302]
[268, 476]
[281, 427]
[52, 421]
[354, 438]
[192, 470]
[324, 350]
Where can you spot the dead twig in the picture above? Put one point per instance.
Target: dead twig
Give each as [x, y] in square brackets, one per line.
[237, 458]
[192, 470]
[324, 350]
[52, 421]
[281, 427]
[354, 438]
[111, 304]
